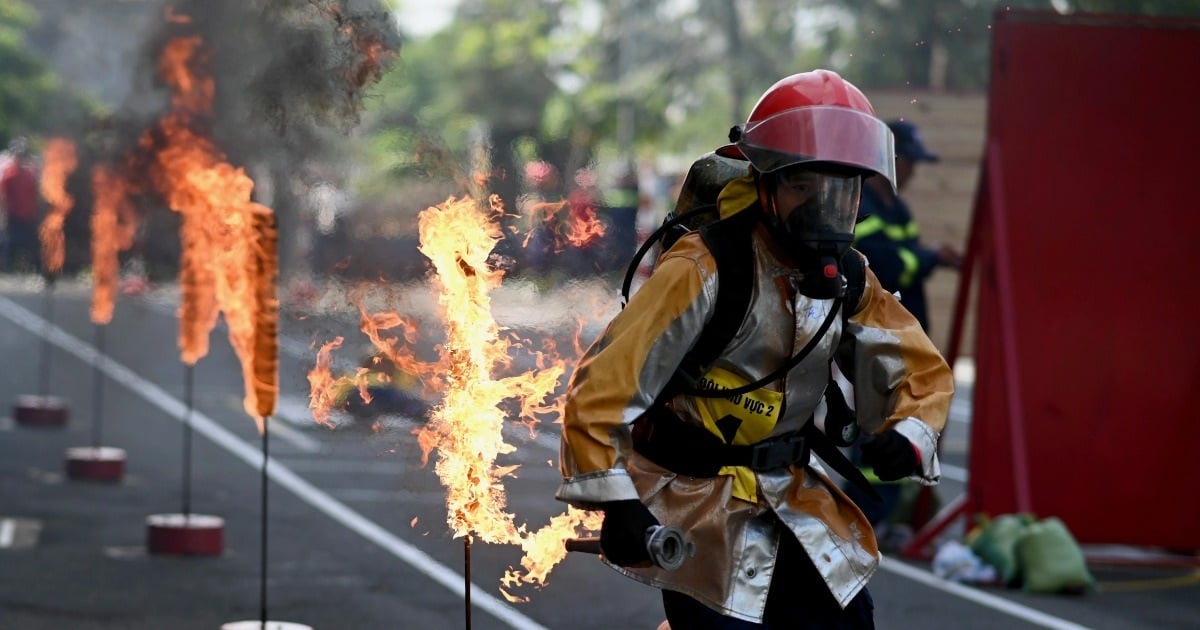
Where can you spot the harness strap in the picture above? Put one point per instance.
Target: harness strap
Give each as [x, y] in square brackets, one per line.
[687, 449]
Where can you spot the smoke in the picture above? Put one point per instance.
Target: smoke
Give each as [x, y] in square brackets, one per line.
[291, 78]
[287, 72]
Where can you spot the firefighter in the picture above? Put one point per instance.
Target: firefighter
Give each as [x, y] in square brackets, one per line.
[776, 541]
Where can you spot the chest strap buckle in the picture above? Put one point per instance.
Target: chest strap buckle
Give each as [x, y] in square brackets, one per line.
[779, 452]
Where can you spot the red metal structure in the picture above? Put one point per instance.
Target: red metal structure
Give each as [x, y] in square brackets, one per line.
[1085, 249]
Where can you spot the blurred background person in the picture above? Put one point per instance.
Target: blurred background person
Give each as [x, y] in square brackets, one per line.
[19, 193]
[541, 205]
[621, 202]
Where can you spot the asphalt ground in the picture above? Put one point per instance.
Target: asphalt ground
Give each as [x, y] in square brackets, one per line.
[356, 525]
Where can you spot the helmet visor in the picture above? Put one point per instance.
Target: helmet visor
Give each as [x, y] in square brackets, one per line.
[820, 134]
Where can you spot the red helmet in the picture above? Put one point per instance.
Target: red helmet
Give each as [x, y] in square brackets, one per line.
[814, 117]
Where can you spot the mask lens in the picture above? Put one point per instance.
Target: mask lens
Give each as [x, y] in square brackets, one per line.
[829, 206]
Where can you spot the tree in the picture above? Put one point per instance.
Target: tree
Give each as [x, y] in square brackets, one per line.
[27, 88]
[945, 44]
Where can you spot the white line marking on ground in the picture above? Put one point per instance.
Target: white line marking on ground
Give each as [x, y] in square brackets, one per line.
[7, 528]
[356, 466]
[394, 497]
[277, 472]
[998, 604]
[955, 473]
[297, 439]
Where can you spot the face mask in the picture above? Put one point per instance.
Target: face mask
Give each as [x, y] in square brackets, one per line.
[820, 231]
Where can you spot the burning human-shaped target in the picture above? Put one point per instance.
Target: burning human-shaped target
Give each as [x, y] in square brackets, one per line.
[58, 162]
[228, 268]
[113, 224]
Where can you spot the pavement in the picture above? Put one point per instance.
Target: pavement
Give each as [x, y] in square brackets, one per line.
[355, 525]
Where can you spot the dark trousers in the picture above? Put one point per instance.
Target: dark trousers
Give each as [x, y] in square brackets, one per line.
[798, 600]
[23, 251]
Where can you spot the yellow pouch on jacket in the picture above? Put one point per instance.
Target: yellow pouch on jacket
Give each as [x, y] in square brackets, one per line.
[740, 419]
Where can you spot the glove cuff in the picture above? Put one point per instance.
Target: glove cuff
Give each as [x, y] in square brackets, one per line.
[924, 440]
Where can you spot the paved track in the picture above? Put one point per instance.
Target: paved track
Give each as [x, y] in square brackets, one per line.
[356, 525]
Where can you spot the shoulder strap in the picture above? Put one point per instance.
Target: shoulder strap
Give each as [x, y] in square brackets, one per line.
[729, 242]
[669, 226]
[854, 268]
[731, 310]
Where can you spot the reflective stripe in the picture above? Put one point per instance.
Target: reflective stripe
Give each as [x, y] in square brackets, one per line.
[869, 226]
[869, 475]
[621, 198]
[873, 224]
[911, 265]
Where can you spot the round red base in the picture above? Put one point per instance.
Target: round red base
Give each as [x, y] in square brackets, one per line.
[185, 534]
[40, 411]
[269, 625]
[98, 463]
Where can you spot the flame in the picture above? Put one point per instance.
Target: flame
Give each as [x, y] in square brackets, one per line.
[545, 548]
[570, 225]
[113, 227]
[583, 227]
[192, 91]
[261, 343]
[60, 161]
[464, 430]
[228, 264]
[323, 387]
[169, 15]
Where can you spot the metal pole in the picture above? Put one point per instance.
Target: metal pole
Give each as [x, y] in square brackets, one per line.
[262, 558]
[97, 388]
[48, 316]
[188, 384]
[467, 577]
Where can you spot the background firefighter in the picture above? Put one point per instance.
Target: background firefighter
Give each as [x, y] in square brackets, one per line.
[777, 541]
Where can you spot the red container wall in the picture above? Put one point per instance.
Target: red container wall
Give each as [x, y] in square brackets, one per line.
[1095, 122]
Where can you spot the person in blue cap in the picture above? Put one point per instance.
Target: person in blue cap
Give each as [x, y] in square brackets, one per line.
[887, 233]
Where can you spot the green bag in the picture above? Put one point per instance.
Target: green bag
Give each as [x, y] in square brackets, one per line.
[996, 545]
[1051, 560]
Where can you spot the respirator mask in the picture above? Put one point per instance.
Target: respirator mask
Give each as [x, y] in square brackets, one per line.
[813, 219]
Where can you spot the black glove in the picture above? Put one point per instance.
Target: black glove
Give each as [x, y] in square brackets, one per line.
[623, 534]
[891, 455]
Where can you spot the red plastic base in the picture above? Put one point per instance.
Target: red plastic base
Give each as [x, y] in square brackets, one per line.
[269, 625]
[100, 463]
[185, 535]
[40, 411]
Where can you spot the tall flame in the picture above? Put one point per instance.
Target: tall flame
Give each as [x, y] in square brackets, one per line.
[59, 162]
[228, 264]
[258, 345]
[466, 427]
[464, 430]
[113, 227]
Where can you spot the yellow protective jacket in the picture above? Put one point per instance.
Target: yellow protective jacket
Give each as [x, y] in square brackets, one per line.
[899, 381]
